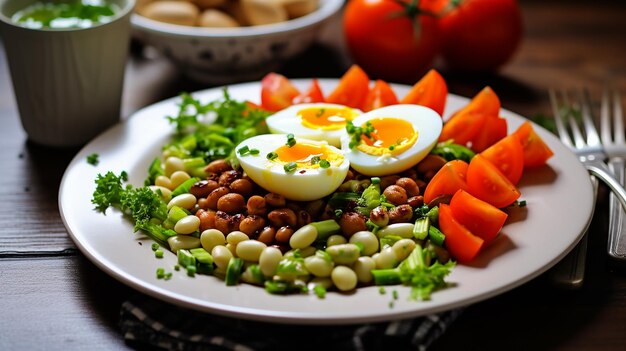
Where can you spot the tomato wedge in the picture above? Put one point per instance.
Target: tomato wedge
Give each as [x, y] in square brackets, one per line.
[380, 95]
[460, 242]
[430, 91]
[536, 152]
[482, 219]
[485, 102]
[486, 182]
[447, 181]
[508, 156]
[313, 94]
[277, 92]
[352, 89]
[494, 130]
[463, 128]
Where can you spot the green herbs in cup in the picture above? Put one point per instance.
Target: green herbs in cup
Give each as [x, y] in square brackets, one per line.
[65, 14]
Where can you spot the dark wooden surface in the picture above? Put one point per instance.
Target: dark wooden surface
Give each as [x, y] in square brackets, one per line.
[52, 297]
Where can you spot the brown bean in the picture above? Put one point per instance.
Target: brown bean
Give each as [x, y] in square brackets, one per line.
[409, 185]
[252, 224]
[222, 220]
[388, 180]
[235, 221]
[256, 205]
[216, 195]
[203, 188]
[295, 207]
[409, 173]
[207, 219]
[395, 194]
[314, 208]
[242, 186]
[421, 184]
[267, 235]
[416, 201]
[429, 175]
[282, 217]
[217, 167]
[231, 203]
[275, 200]
[352, 222]
[228, 177]
[400, 214]
[203, 203]
[283, 234]
[304, 218]
[380, 216]
[431, 163]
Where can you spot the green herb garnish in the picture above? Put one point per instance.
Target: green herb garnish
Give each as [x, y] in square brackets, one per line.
[324, 164]
[271, 156]
[93, 159]
[290, 167]
[291, 141]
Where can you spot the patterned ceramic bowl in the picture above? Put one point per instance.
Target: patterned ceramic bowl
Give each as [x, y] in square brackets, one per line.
[228, 55]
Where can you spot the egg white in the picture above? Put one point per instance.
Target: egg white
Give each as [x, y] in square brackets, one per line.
[287, 121]
[426, 122]
[305, 184]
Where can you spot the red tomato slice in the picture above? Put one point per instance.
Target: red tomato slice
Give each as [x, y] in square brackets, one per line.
[536, 152]
[352, 89]
[479, 217]
[485, 102]
[462, 244]
[508, 156]
[430, 91]
[313, 94]
[463, 128]
[493, 130]
[277, 92]
[380, 95]
[447, 181]
[487, 183]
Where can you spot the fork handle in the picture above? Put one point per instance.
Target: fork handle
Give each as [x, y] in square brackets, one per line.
[617, 226]
[601, 172]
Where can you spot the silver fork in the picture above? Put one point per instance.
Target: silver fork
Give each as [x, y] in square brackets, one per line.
[570, 271]
[615, 147]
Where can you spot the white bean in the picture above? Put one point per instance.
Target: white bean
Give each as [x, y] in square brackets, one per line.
[318, 266]
[403, 248]
[221, 256]
[180, 242]
[363, 268]
[386, 259]
[210, 238]
[163, 181]
[177, 178]
[236, 237]
[326, 282]
[344, 278]
[306, 252]
[403, 230]
[303, 237]
[173, 164]
[232, 248]
[166, 194]
[335, 240]
[186, 201]
[187, 225]
[344, 253]
[268, 260]
[250, 250]
[368, 240]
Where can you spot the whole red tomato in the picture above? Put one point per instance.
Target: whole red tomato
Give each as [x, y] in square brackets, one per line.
[480, 35]
[392, 39]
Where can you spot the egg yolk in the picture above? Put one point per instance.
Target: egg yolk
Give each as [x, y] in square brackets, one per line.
[326, 118]
[391, 136]
[303, 154]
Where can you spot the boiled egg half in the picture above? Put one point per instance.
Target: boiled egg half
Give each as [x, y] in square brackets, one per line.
[399, 137]
[315, 121]
[300, 169]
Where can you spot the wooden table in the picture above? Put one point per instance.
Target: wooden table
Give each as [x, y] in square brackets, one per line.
[51, 297]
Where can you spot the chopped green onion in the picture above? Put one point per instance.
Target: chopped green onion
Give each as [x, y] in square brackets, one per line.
[160, 273]
[436, 236]
[394, 294]
[244, 150]
[254, 152]
[382, 290]
[290, 167]
[320, 291]
[392, 147]
[155, 246]
[315, 160]
[168, 276]
[291, 141]
[191, 270]
[324, 164]
[272, 155]
[177, 267]
[93, 159]
[158, 253]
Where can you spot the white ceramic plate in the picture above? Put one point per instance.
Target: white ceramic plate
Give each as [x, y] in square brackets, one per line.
[559, 198]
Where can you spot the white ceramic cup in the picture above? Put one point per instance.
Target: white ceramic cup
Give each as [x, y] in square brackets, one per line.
[67, 82]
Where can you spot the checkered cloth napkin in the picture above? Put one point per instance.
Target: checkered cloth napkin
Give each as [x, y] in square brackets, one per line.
[149, 323]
